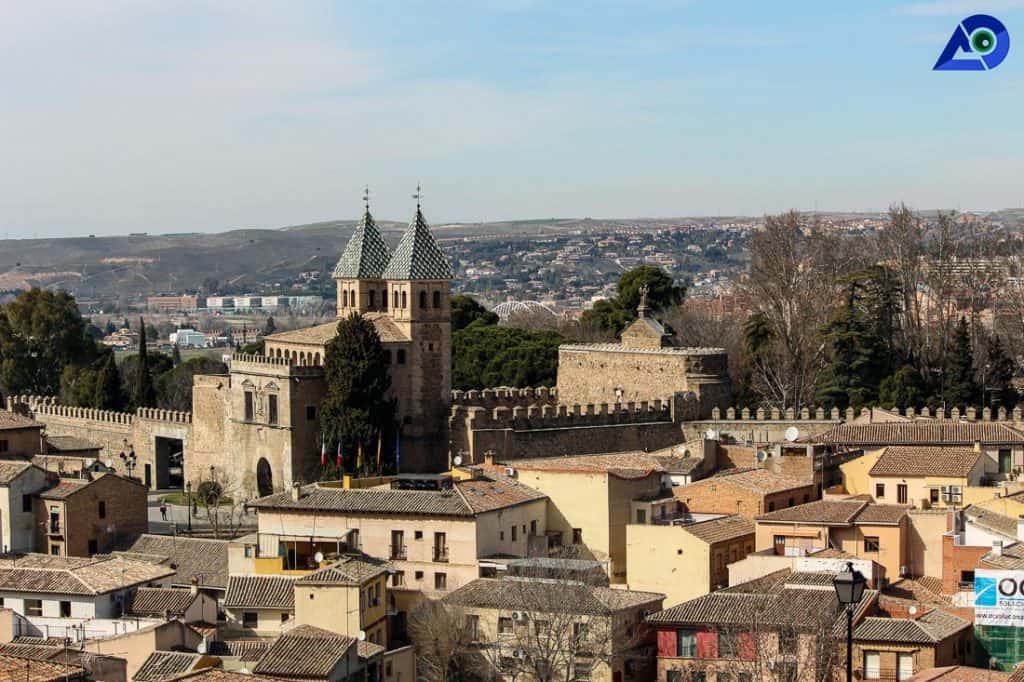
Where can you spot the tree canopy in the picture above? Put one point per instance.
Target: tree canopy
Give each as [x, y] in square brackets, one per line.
[488, 355]
[466, 310]
[613, 315]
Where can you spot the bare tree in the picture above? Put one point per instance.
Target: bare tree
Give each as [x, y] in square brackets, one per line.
[224, 501]
[444, 641]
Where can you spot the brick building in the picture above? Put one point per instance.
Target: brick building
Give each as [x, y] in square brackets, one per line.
[81, 518]
[20, 435]
[746, 492]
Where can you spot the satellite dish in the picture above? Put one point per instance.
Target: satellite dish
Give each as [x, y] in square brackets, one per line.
[457, 461]
[361, 636]
[792, 433]
[761, 455]
[110, 464]
[710, 434]
[319, 556]
[912, 610]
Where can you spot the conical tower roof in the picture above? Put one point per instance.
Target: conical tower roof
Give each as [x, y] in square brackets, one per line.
[366, 255]
[418, 256]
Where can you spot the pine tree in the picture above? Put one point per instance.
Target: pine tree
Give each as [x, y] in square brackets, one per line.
[145, 393]
[356, 408]
[999, 371]
[108, 386]
[961, 390]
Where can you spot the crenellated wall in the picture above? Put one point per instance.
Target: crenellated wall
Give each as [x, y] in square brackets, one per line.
[115, 432]
[547, 428]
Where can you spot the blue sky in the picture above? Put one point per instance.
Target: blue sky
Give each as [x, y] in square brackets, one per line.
[153, 116]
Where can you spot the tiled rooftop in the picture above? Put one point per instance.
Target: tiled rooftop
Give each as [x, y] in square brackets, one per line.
[838, 512]
[348, 571]
[305, 652]
[926, 460]
[366, 254]
[12, 421]
[929, 628]
[319, 335]
[205, 560]
[260, 592]
[543, 595]
[417, 255]
[621, 464]
[43, 573]
[921, 433]
[758, 480]
[29, 670]
[155, 601]
[166, 665]
[11, 469]
[722, 529]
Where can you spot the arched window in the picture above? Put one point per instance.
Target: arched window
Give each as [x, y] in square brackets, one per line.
[384, 299]
[437, 299]
[373, 298]
[316, 359]
[405, 301]
[352, 297]
[264, 478]
[401, 356]
[423, 299]
[395, 296]
[344, 298]
[387, 357]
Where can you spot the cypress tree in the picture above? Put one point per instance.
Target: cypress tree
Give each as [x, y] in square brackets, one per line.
[108, 386]
[961, 388]
[176, 356]
[145, 393]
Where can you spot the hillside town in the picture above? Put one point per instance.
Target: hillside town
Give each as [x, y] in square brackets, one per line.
[629, 522]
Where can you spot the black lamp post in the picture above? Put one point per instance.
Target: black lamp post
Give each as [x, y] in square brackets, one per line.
[849, 586]
[130, 461]
[188, 504]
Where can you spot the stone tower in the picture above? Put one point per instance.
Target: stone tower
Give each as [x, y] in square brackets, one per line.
[418, 278]
[360, 271]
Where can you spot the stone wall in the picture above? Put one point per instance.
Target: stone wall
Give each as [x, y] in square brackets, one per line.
[551, 429]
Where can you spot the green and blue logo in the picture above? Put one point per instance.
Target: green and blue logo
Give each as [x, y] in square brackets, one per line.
[985, 591]
[983, 41]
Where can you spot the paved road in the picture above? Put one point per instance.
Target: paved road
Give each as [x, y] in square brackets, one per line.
[178, 515]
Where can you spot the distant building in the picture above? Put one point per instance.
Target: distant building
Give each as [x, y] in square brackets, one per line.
[173, 303]
[188, 338]
[81, 518]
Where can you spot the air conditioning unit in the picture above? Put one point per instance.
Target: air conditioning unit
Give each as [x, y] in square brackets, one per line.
[519, 615]
[510, 472]
[518, 653]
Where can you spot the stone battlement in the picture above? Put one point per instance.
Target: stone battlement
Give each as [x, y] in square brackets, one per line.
[561, 416]
[835, 414]
[169, 416]
[506, 397]
[279, 365]
[44, 406]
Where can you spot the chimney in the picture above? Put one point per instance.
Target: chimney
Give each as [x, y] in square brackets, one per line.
[193, 585]
[1020, 528]
[296, 491]
[997, 547]
[489, 459]
[977, 446]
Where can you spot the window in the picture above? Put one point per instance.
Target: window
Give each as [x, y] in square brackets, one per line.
[311, 413]
[65, 609]
[579, 633]
[440, 581]
[686, 643]
[419, 575]
[577, 536]
[55, 550]
[727, 645]
[102, 511]
[4, 446]
[93, 547]
[401, 356]
[871, 543]
[284, 616]
[513, 533]
[967, 577]
[901, 493]
[417, 535]
[641, 516]
[674, 676]
[771, 506]
[250, 407]
[423, 299]
[33, 607]
[872, 665]
[250, 619]
[437, 299]
[501, 535]
[272, 409]
[405, 301]
[505, 625]
[398, 578]
[1005, 461]
[473, 627]
[533, 527]
[787, 644]
[904, 666]
[879, 491]
[398, 545]
[384, 299]
[26, 503]
[344, 298]
[373, 298]
[933, 495]
[779, 543]
[387, 357]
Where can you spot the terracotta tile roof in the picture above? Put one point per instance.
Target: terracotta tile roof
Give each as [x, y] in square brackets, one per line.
[961, 673]
[1011, 559]
[319, 335]
[220, 675]
[366, 254]
[720, 530]
[305, 652]
[53, 652]
[926, 460]
[369, 650]
[59, 444]
[832, 553]
[616, 347]
[64, 488]
[622, 464]
[260, 592]
[758, 480]
[811, 579]
[992, 520]
[243, 649]
[165, 665]
[155, 601]
[929, 628]
[12, 421]
[205, 560]
[28, 670]
[43, 573]
[921, 433]
[466, 499]
[10, 470]
[544, 595]
[348, 571]
[838, 512]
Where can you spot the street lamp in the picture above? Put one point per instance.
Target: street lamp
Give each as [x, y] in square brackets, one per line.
[188, 504]
[849, 586]
[130, 461]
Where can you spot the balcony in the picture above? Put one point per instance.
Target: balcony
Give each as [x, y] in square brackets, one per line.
[399, 553]
[441, 554]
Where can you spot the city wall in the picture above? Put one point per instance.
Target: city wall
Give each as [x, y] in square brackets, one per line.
[115, 432]
[549, 429]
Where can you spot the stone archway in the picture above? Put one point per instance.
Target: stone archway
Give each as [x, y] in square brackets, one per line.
[264, 478]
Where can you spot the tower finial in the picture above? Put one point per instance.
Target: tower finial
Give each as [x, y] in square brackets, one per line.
[417, 196]
[366, 197]
[642, 309]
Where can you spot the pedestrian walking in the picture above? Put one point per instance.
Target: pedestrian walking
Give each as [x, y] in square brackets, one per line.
[163, 510]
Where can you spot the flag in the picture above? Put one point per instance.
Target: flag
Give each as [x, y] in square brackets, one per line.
[380, 438]
[339, 454]
[323, 451]
[398, 452]
[359, 459]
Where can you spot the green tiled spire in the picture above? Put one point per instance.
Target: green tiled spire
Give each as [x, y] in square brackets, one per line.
[366, 254]
[418, 256]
